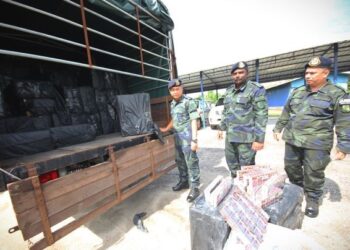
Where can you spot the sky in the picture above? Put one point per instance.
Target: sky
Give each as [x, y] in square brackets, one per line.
[210, 34]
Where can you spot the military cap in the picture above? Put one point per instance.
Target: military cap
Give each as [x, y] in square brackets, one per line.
[174, 82]
[319, 62]
[239, 65]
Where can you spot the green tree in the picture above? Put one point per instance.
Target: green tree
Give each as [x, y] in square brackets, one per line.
[211, 96]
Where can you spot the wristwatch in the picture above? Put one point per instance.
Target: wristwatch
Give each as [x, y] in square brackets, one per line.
[195, 140]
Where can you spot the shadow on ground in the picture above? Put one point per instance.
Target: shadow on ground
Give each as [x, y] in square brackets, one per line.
[116, 222]
[332, 190]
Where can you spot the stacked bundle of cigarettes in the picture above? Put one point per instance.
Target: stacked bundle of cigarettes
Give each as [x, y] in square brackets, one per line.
[245, 218]
[217, 190]
[262, 184]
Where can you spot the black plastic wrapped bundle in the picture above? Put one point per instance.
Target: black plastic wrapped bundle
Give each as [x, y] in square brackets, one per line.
[73, 100]
[287, 211]
[134, 112]
[35, 89]
[70, 135]
[25, 143]
[61, 118]
[2, 105]
[87, 95]
[39, 106]
[24, 124]
[208, 228]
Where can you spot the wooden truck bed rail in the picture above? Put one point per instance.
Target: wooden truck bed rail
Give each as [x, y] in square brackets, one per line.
[91, 191]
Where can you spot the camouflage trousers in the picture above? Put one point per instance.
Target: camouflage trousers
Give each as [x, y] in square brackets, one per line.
[305, 167]
[238, 154]
[187, 164]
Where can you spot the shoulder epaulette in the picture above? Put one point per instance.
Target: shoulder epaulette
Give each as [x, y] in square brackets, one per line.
[302, 87]
[339, 87]
[256, 84]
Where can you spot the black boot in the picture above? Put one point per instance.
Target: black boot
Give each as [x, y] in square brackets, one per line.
[311, 209]
[181, 185]
[194, 193]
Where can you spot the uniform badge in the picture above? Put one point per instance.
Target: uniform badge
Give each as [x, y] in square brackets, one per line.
[315, 62]
[241, 65]
[345, 105]
[177, 83]
[344, 101]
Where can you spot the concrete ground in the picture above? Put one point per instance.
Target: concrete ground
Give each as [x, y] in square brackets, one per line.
[167, 218]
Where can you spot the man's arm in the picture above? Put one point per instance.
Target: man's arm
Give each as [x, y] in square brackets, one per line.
[194, 141]
[222, 126]
[193, 113]
[282, 121]
[342, 128]
[260, 109]
[168, 127]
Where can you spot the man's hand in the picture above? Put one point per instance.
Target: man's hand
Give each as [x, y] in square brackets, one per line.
[163, 130]
[277, 136]
[339, 155]
[256, 146]
[194, 146]
[220, 135]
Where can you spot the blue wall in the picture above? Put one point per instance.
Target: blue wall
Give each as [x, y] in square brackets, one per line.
[278, 96]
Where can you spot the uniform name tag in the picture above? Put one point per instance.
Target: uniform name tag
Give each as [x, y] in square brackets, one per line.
[344, 101]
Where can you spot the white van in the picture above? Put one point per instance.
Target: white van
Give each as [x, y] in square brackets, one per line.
[216, 113]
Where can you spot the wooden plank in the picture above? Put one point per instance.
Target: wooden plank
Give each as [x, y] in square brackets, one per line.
[22, 195]
[115, 172]
[31, 216]
[42, 209]
[104, 196]
[160, 99]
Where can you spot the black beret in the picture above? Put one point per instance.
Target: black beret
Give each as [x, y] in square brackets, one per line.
[319, 62]
[174, 82]
[239, 65]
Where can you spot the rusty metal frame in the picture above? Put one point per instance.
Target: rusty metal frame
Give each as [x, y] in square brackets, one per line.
[88, 47]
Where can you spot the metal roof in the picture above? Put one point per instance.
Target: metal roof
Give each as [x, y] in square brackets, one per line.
[273, 68]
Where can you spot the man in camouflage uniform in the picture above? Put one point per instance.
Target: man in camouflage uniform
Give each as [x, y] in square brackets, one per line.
[184, 117]
[244, 119]
[307, 122]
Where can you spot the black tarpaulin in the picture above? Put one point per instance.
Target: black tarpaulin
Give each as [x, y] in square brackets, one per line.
[134, 112]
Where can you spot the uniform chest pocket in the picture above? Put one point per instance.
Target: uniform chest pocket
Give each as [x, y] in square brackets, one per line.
[320, 107]
[243, 105]
[295, 104]
[296, 101]
[320, 103]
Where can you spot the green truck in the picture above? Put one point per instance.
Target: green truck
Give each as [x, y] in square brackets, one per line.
[83, 88]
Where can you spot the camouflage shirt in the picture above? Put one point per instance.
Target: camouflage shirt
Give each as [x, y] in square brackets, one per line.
[245, 113]
[308, 118]
[182, 112]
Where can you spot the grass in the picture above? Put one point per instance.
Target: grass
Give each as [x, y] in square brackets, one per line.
[275, 112]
